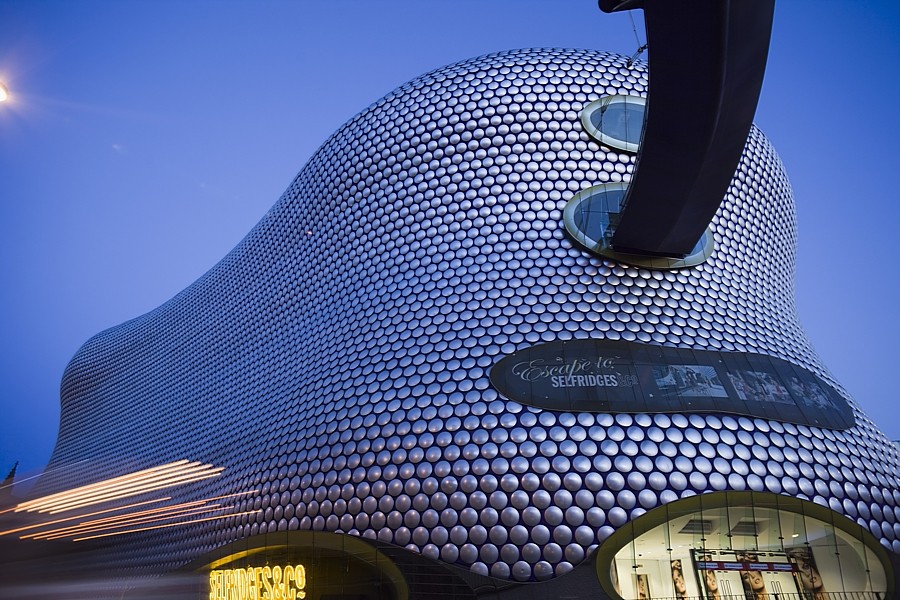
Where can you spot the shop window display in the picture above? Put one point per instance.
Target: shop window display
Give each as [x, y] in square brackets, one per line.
[749, 545]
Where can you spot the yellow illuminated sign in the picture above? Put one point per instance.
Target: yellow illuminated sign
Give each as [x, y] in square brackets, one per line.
[258, 583]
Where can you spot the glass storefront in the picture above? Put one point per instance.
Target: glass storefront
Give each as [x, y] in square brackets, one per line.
[747, 545]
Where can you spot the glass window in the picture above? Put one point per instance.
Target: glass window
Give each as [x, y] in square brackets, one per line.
[616, 121]
[749, 545]
[592, 215]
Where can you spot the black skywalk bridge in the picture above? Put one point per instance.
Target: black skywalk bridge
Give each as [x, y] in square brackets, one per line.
[706, 62]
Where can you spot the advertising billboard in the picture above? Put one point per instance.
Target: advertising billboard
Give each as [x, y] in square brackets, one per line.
[623, 377]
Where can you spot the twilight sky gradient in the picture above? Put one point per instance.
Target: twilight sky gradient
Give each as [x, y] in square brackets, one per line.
[145, 139]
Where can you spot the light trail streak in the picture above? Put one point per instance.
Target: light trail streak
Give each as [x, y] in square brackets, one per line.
[78, 530]
[124, 486]
[166, 525]
[91, 514]
[161, 513]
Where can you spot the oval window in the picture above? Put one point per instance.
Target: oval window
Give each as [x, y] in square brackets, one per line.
[616, 121]
[591, 217]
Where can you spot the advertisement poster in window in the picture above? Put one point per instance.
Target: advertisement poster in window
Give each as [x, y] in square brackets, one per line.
[708, 577]
[678, 581]
[747, 574]
[752, 578]
[614, 575]
[807, 573]
[642, 586]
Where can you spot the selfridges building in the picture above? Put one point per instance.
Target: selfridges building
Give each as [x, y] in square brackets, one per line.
[419, 376]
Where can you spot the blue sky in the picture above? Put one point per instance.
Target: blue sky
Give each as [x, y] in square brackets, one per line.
[145, 139]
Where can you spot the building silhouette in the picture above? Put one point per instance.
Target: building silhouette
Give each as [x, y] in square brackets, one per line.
[346, 392]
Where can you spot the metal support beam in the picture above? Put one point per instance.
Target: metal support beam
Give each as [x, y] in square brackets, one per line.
[706, 60]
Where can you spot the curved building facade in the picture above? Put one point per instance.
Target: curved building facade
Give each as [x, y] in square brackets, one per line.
[412, 350]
